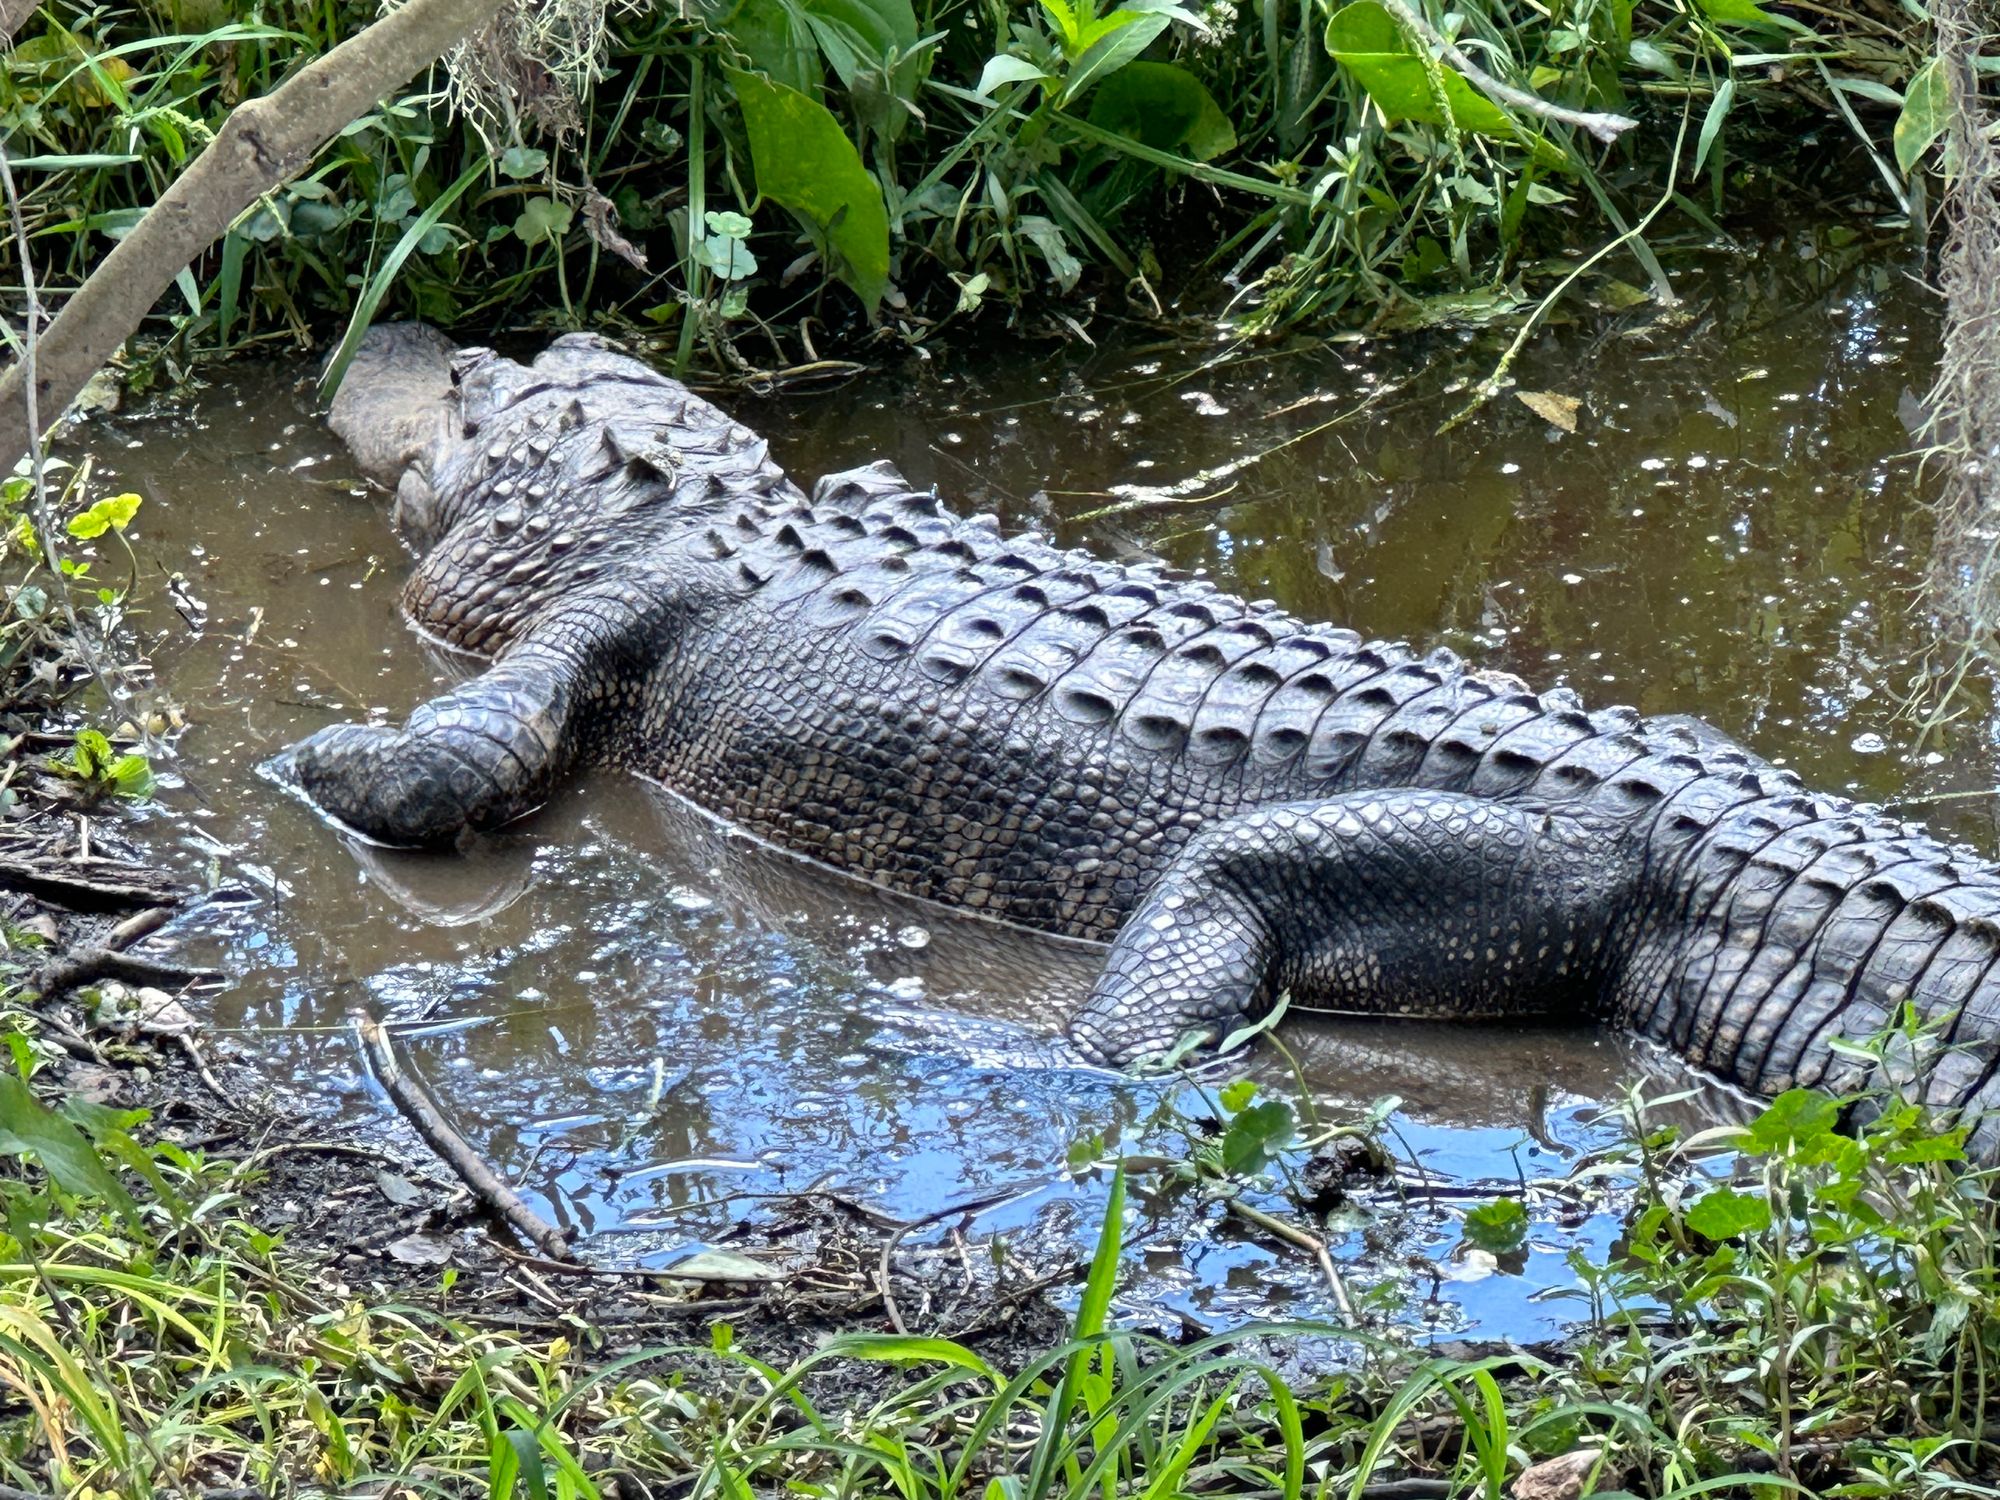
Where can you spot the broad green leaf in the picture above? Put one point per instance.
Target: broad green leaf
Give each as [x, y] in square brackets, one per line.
[132, 776]
[1797, 1117]
[1926, 111]
[1725, 1213]
[1747, 13]
[28, 1129]
[543, 219]
[113, 513]
[1500, 1226]
[1365, 40]
[523, 162]
[1006, 68]
[806, 162]
[1136, 23]
[778, 38]
[1255, 1135]
[1947, 1147]
[1165, 107]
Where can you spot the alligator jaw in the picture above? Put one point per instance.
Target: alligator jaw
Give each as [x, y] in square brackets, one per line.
[395, 403]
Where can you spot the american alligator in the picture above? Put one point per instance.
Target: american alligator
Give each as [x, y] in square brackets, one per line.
[1240, 803]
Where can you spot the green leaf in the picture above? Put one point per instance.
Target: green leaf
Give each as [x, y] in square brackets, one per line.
[1947, 1147]
[132, 776]
[1234, 1096]
[1115, 40]
[526, 1452]
[1748, 13]
[523, 162]
[1711, 123]
[543, 219]
[1165, 107]
[1365, 40]
[806, 162]
[868, 43]
[1064, 21]
[1797, 1117]
[114, 513]
[28, 1129]
[1926, 110]
[1500, 1226]
[778, 39]
[1255, 1135]
[1098, 1286]
[1725, 1213]
[1006, 68]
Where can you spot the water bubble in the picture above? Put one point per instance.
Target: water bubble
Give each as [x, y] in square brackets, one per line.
[1869, 744]
[914, 936]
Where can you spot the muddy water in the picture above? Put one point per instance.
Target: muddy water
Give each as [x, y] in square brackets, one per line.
[649, 1024]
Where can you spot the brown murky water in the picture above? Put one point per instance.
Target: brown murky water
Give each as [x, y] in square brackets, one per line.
[646, 1022]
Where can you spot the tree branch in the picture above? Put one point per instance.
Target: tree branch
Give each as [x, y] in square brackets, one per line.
[263, 144]
[12, 14]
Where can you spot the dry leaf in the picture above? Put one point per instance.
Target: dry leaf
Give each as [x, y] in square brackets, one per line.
[1562, 1478]
[397, 1189]
[1556, 410]
[722, 1265]
[419, 1250]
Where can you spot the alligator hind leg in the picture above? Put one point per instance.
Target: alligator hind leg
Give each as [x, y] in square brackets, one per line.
[1395, 903]
[484, 754]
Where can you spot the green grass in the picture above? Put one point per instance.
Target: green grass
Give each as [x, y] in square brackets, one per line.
[924, 160]
[1790, 1310]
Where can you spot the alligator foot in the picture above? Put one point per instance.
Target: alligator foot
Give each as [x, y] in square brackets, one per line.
[477, 758]
[1398, 902]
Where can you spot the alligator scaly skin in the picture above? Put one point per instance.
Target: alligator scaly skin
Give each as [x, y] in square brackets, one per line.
[1240, 801]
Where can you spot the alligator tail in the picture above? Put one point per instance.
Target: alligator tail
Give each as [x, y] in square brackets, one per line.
[1798, 936]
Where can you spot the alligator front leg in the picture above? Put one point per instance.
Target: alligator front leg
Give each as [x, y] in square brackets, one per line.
[479, 757]
[1394, 903]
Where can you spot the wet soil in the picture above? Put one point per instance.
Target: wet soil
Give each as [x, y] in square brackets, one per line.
[663, 1034]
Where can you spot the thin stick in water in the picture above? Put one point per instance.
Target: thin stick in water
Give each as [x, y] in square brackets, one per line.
[416, 1105]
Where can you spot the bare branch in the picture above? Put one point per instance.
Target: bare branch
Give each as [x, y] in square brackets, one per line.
[263, 144]
[12, 14]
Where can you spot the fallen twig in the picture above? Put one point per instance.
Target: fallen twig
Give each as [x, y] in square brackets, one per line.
[94, 884]
[410, 1096]
[984, 1201]
[107, 959]
[1291, 1234]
